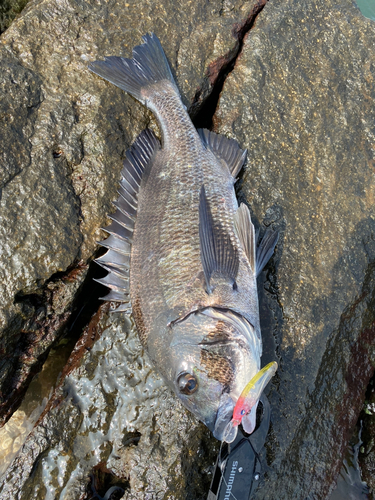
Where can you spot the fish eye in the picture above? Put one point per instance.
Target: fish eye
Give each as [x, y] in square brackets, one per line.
[187, 383]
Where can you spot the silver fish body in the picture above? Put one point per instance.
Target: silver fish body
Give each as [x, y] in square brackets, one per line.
[183, 248]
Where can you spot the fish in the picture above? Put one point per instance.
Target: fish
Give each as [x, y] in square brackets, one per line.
[182, 255]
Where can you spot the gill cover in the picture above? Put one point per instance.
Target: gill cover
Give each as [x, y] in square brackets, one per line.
[213, 353]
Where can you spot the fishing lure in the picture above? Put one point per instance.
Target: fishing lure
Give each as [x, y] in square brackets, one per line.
[249, 396]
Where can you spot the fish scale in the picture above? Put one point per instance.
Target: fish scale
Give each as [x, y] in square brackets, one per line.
[172, 192]
[193, 263]
[177, 217]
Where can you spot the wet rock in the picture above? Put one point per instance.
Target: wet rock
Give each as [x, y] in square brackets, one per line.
[112, 413]
[349, 482]
[66, 133]
[301, 99]
[57, 312]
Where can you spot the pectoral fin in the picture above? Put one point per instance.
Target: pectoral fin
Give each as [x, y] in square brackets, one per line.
[246, 234]
[218, 254]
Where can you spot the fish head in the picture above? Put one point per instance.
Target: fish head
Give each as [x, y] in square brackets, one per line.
[213, 353]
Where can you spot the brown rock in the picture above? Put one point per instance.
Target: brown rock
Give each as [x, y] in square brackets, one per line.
[301, 99]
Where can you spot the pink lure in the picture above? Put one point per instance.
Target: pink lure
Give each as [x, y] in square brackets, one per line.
[248, 398]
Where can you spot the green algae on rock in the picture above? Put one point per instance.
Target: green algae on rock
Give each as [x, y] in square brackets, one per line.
[9, 9]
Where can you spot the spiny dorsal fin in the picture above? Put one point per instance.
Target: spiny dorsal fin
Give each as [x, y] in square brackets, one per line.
[224, 149]
[117, 259]
[137, 159]
[246, 234]
[217, 252]
[265, 249]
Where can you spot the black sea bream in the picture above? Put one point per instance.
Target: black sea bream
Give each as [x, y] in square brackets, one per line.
[181, 251]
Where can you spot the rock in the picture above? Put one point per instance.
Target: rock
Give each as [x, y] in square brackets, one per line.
[57, 312]
[112, 411]
[301, 99]
[66, 133]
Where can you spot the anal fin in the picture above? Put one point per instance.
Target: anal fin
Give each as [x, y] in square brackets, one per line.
[257, 256]
[218, 255]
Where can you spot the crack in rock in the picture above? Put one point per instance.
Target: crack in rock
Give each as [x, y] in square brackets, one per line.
[203, 109]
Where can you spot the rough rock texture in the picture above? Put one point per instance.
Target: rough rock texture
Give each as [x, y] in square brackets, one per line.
[113, 411]
[301, 99]
[57, 310]
[65, 132]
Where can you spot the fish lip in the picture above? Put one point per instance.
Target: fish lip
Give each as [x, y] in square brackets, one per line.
[222, 417]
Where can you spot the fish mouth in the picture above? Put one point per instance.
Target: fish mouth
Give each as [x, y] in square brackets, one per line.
[223, 417]
[233, 332]
[244, 337]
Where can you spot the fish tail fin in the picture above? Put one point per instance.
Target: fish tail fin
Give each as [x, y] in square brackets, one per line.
[148, 67]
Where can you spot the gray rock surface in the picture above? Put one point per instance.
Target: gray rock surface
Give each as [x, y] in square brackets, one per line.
[112, 409]
[65, 133]
[301, 99]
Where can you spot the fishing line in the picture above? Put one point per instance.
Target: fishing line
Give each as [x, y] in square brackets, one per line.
[221, 466]
[223, 463]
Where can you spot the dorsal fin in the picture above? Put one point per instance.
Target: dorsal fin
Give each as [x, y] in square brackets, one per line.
[224, 149]
[265, 249]
[246, 234]
[218, 255]
[117, 259]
